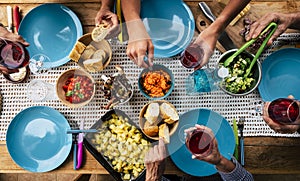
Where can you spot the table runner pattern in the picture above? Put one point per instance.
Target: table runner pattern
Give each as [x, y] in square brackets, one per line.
[14, 98]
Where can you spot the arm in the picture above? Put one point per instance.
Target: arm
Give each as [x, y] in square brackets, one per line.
[284, 22]
[139, 44]
[4, 33]
[155, 161]
[208, 38]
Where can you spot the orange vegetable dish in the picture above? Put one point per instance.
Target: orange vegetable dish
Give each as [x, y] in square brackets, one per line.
[156, 83]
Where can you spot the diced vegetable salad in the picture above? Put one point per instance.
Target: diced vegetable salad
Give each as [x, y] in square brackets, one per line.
[236, 82]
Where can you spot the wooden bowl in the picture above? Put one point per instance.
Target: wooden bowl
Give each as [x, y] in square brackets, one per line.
[61, 94]
[86, 39]
[172, 127]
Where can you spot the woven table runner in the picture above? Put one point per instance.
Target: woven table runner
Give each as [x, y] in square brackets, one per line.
[14, 98]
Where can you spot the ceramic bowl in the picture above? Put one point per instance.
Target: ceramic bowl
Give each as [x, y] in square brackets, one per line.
[61, 82]
[156, 68]
[256, 73]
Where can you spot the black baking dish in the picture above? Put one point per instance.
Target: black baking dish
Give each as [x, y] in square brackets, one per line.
[88, 143]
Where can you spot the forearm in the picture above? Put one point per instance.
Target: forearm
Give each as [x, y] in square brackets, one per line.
[232, 9]
[295, 18]
[225, 165]
[107, 4]
[131, 9]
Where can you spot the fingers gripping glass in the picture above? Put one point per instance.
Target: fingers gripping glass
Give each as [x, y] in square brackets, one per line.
[281, 110]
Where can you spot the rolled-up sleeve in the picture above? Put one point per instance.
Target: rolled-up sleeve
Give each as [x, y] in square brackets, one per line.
[238, 174]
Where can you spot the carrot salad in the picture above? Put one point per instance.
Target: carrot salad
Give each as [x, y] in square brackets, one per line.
[156, 83]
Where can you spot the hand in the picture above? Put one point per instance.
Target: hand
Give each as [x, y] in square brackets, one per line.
[4, 33]
[104, 15]
[283, 21]
[207, 41]
[214, 157]
[155, 161]
[279, 128]
[139, 44]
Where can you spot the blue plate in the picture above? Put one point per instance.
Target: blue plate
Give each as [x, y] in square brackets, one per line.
[181, 155]
[281, 75]
[170, 24]
[36, 139]
[52, 30]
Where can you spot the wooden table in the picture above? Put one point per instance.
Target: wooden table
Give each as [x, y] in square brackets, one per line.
[263, 155]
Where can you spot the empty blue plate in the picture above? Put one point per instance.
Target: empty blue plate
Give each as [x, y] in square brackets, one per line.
[170, 24]
[182, 157]
[37, 140]
[281, 75]
[52, 30]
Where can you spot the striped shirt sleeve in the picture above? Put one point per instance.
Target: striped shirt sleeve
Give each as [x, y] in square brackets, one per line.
[238, 174]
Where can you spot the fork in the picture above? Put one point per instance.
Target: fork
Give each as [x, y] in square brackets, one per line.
[241, 128]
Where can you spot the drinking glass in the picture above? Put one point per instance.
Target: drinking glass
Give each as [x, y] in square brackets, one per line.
[39, 64]
[38, 90]
[281, 110]
[192, 56]
[199, 142]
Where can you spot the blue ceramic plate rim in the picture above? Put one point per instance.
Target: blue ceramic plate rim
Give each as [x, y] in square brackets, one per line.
[33, 117]
[277, 66]
[224, 135]
[187, 16]
[157, 67]
[30, 19]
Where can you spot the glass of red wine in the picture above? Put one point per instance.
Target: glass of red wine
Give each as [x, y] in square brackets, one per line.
[192, 56]
[199, 142]
[281, 110]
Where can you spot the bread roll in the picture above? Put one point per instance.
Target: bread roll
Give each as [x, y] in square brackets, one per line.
[164, 132]
[100, 32]
[88, 52]
[168, 113]
[77, 51]
[100, 54]
[150, 130]
[93, 65]
[152, 113]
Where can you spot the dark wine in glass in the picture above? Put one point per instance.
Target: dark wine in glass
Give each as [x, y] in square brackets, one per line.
[192, 56]
[199, 142]
[284, 111]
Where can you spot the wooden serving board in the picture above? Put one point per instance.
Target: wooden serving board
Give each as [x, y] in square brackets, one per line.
[233, 31]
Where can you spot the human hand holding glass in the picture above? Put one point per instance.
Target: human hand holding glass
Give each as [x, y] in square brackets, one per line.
[283, 111]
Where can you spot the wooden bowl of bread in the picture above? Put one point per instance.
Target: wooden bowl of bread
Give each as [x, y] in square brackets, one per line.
[91, 55]
[159, 119]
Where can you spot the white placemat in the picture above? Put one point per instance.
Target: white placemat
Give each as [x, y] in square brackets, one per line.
[15, 98]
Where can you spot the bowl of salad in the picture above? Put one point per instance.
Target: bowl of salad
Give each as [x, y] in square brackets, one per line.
[75, 88]
[236, 83]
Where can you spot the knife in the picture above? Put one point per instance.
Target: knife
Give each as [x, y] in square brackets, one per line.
[80, 146]
[224, 39]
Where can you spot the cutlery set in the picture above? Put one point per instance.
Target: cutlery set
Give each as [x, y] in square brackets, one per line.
[239, 140]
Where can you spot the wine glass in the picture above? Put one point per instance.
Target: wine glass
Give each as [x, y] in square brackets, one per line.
[281, 110]
[198, 141]
[39, 64]
[192, 56]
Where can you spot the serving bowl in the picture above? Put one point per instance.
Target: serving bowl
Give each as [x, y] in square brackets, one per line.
[86, 50]
[151, 129]
[227, 83]
[156, 82]
[78, 94]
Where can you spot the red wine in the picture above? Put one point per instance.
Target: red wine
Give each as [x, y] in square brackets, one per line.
[199, 142]
[13, 55]
[192, 56]
[283, 110]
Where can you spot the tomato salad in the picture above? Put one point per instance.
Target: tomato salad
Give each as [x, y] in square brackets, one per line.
[78, 88]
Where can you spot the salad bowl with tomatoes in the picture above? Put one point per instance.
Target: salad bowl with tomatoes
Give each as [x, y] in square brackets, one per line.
[75, 88]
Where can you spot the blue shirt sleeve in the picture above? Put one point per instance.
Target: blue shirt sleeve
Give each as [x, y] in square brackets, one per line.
[238, 174]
